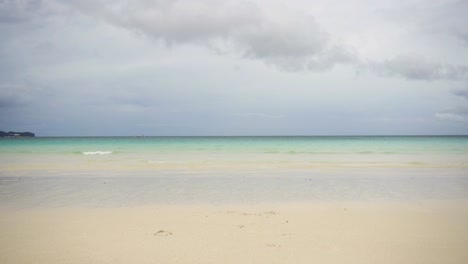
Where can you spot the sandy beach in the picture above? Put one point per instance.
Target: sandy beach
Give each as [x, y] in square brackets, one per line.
[345, 232]
[327, 200]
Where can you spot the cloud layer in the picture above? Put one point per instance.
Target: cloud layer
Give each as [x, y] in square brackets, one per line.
[461, 93]
[291, 41]
[459, 113]
[419, 68]
[173, 67]
[455, 115]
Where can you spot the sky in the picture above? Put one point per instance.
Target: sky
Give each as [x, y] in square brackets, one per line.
[234, 67]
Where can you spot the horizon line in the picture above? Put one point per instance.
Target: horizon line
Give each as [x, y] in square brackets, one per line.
[361, 135]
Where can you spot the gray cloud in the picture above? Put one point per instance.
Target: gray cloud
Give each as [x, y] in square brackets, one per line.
[464, 37]
[454, 115]
[278, 37]
[289, 40]
[153, 67]
[19, 11]
[14, 11]
[436, 18]
[458, 113]
[450, 18]
[461, 93]
[419, 68]
[332, 56]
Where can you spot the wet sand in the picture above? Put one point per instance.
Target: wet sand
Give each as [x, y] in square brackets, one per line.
[313, 232]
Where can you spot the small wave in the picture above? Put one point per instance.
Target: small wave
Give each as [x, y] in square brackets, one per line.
[96, 152]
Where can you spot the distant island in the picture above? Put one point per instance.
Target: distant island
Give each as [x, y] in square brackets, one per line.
[16, 134]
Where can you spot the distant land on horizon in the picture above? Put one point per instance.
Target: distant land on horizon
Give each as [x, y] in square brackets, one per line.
[16, 134]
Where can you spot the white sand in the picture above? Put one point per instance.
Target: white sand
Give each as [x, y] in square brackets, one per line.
[294, 233]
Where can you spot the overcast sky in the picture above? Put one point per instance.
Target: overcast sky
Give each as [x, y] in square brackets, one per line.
[240, 67]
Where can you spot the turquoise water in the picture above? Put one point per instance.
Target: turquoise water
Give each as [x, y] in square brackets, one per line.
[153, 155]
[132, 171]
[267, 145]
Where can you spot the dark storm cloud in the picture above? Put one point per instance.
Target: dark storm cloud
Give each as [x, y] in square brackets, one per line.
[419, 68]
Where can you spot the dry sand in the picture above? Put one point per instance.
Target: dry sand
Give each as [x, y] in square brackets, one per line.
[295, 233]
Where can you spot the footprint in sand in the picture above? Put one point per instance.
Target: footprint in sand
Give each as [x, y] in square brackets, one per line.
[162, 233]
[269, 213]
[272, 245]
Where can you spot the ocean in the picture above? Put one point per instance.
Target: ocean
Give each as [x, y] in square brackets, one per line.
[133, 170]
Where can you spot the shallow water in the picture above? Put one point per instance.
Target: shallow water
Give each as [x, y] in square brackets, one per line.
[46, 156]
[131, 171]
[139, 191]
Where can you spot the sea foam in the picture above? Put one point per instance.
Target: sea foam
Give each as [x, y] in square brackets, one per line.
[97, 152]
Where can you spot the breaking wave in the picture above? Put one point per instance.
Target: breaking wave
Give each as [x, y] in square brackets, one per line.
[96, 152]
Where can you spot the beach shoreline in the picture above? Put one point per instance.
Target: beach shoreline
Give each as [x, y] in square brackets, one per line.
[234, 200]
